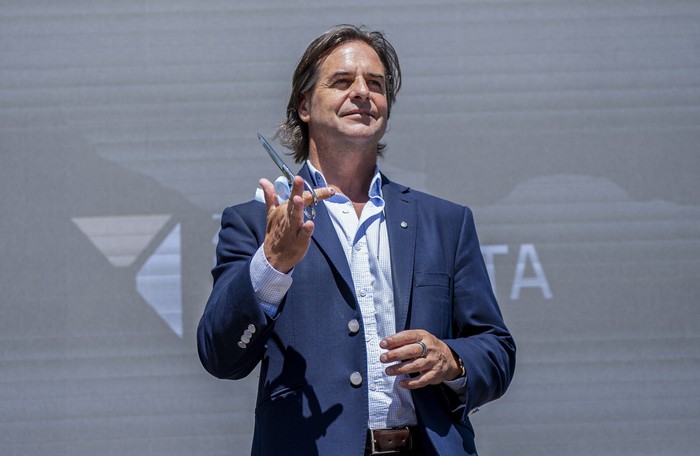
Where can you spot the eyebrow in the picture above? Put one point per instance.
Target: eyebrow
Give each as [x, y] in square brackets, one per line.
[346, 73]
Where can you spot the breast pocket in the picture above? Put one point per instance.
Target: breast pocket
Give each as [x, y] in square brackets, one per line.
[431, 306]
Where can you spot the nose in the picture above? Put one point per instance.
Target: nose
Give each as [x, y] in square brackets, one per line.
[359, 89]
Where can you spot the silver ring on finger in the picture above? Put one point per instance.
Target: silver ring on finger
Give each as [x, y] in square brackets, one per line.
[424, 353]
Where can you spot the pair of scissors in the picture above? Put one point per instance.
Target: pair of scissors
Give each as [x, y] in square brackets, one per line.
[309, 210]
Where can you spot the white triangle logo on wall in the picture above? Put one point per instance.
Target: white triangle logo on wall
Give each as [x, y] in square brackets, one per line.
[123, 239]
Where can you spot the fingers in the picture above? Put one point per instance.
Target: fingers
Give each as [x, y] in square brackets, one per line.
[424, 379]
[296, 215]
[269, 193]
[321, 194]
[287, 234]
[406, 353]
[410, 366]
[409, 351]
[299, 188]
[403, 338]
[404, 350]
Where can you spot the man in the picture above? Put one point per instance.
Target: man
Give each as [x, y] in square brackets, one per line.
[374, 324]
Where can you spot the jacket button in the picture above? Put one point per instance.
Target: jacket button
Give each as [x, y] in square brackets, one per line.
[356, 378]
[251, 328]
[354, 326]
[241, 344]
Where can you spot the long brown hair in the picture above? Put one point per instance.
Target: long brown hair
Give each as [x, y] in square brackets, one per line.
[293, 133]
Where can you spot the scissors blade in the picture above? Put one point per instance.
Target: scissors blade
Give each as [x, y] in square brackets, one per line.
[309, 211]
[277, 159]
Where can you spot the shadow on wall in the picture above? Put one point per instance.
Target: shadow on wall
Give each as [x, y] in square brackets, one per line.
[86, 351]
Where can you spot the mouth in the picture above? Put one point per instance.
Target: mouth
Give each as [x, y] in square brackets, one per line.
[360, 112]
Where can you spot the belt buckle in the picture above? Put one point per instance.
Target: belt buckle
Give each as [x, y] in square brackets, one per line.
[379, 452]
[376, 451]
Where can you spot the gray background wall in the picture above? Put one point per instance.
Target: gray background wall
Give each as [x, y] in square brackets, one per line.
[571, 129]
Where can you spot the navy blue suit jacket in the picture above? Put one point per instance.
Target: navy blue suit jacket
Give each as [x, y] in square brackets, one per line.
[306, 404]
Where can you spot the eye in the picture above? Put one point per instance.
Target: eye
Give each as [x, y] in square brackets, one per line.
[343, 83]
[376, 84]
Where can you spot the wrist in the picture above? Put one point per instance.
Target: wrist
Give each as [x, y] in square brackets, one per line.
[459, 371]
[276, 262]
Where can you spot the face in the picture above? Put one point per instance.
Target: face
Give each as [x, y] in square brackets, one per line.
[349, 98]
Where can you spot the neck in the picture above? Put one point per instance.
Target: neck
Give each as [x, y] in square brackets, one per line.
[350, 170]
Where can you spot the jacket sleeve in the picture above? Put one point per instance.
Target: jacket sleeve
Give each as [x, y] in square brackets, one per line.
[233, 329]
[481, 338]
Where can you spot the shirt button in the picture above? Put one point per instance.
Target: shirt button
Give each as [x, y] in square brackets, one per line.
[354, 326]
[363, 293]
[356, 379]
[358, 248]
[373, 387]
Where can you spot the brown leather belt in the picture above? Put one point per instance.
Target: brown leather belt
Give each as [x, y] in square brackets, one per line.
[389, 441]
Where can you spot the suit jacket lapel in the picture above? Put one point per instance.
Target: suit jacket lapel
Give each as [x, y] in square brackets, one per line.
[400, 213]
[327, 240]
[400, 210]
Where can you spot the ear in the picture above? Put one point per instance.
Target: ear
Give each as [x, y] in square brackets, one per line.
[303, 109]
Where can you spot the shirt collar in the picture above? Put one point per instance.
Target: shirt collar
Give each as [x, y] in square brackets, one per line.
[375, 186]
